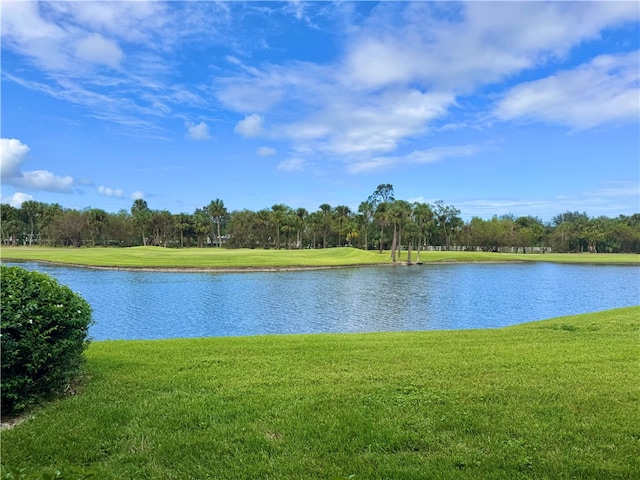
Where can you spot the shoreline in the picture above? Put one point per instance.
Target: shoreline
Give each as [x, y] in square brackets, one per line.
[297, 268]
[183, 269]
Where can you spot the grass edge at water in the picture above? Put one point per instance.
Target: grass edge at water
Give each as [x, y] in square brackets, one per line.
[247, 259]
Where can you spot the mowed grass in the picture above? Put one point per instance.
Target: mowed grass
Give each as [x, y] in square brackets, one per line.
[196, 257]
[157, 257]
[549, 399]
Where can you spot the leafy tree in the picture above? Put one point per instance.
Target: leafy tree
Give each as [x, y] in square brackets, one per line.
[383, 194]
[48, 230]
[242, 229]
[530, 231]
[263, 226]
[162, 225]
[201, 226]
[98, 220]
[448, 221]
[11, 223]
[73, 227]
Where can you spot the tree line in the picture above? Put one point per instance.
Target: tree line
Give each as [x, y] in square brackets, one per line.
[381, 222]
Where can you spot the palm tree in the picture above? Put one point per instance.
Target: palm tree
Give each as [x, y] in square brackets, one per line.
[278, 217]
[183, 224]
[141, 216]
[32, 211]
[382, 218]
[325, 222]
[262, 223]
[302, 215]
[422, 215]
[217, 211]
[342, 214]
[366, 212]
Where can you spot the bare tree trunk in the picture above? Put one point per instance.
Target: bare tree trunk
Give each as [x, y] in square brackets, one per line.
[393, 244]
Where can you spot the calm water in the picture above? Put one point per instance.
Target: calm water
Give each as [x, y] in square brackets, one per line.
[146, 305]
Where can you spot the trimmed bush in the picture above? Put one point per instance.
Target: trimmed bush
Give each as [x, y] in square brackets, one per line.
[44, 333]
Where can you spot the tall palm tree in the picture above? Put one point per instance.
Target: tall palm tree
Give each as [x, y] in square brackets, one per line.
[342, 214]
[302, 215]
[366, 211]
[400, 212]
[422, 215]
[217, 211]
[141, 217]
[325, 220]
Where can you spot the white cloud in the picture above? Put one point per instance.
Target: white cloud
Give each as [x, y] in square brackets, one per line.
[353, 125]
[460, 46]
[110, 192]
[95, 48]
[416, 157]
[265, 151]
[12, 157]
[602, 91]
[17, 199]
[12, 153]
[198, 132]
[251, 126]
[44, 180]
[137, 195]
[292, 165]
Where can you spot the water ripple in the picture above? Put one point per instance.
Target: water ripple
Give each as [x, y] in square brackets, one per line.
[146, 305]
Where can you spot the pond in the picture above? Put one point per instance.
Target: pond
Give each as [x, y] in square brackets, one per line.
[150, 305]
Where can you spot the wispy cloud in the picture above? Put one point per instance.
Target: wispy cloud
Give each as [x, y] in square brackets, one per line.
[399, 73]
[292, 165]
[605, 90]
[416, 157]
[610, 198]
[265, 151]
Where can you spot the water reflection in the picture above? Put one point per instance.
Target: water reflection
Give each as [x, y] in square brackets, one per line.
[145, 305]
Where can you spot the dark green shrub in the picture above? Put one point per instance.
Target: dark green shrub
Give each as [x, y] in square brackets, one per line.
[44, 333]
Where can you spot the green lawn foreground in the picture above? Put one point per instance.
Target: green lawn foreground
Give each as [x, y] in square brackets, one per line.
[212, 258]
[550, 399]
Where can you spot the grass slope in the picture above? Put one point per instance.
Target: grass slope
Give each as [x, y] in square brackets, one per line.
[550, 399]
[196, 257]
[157, 257]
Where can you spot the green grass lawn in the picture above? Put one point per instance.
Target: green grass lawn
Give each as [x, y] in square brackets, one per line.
[259, 258]
[550, 399]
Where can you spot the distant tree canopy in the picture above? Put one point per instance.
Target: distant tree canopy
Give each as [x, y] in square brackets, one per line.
[381, 222]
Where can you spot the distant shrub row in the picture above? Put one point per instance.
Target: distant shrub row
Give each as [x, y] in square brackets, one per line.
[44, 333]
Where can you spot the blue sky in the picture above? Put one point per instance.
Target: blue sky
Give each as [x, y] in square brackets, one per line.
[495, 108]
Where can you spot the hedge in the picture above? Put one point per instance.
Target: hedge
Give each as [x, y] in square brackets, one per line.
[44, 334]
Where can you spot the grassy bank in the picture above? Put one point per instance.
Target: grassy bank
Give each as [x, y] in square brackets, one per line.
[550, 399]
[156, 257]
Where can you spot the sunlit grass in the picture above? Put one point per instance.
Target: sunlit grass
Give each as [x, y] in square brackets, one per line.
[197, 257]
[157, 257]
[550, 399]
